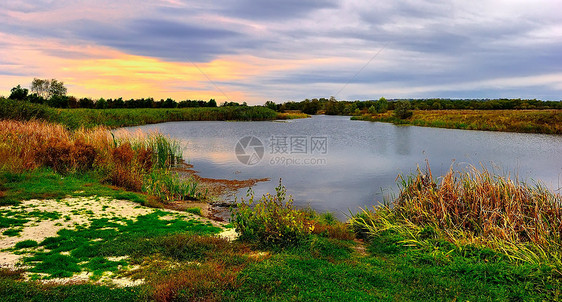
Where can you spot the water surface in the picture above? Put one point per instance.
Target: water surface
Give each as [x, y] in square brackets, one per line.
[361, 160]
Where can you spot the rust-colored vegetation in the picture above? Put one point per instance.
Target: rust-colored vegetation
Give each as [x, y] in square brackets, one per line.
[527, 121]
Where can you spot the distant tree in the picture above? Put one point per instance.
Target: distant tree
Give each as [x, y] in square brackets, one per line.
[118, 103]
[169, 103]
[58, 101]
[402, 109]
[40, 87]
[48, 88]
[212, 103]
[35, 98]
[101, 104]
[86, 103]
[57, 88]
[381, 105]
[72, 102]
[19, 93]
[271, 105]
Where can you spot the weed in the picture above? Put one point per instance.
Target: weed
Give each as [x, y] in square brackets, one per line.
[271, 220]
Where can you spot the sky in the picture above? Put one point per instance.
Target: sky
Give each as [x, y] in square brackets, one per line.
[261, 50]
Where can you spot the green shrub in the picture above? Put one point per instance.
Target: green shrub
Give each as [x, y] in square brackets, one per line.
[402, 110]
[271, 221]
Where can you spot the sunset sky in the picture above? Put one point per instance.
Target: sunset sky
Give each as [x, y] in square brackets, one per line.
[259, 50]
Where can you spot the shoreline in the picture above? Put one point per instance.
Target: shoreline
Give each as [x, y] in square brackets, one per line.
[547, 121]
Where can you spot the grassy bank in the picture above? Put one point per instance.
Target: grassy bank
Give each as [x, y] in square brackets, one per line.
[526, 121]
[430, 244]
[76, 118]
[134, 163]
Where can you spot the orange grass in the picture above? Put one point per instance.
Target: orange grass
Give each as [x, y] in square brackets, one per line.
[528, 121]
[483, 204]
[475, 207]
[124, 160]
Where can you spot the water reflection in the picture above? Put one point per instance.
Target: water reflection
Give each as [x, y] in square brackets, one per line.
[362, 158]
[402, 139]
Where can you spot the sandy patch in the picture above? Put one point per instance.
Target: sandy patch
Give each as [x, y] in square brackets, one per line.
[47, 217]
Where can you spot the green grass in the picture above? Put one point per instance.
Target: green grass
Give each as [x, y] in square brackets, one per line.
[16, 291]
[196, 211]
[86, 248]
[44, 183]
[397, 274]
[114, 118]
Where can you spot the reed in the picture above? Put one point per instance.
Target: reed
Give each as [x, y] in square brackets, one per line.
[137, 162]
[524, 222]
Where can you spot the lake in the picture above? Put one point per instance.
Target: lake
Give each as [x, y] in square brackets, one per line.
[334, 164]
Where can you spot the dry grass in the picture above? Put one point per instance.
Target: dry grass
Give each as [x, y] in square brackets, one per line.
[124, 161]
[475, 207]
[530, 121]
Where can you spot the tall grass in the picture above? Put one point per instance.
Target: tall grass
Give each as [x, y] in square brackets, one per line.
[523, 222]
[114, 118]
[528, 121]
[135, 162]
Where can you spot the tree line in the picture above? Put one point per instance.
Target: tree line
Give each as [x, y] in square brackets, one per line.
[54, 94]
[331, 106]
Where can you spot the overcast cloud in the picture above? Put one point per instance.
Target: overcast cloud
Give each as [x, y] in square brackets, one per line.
[295, 49]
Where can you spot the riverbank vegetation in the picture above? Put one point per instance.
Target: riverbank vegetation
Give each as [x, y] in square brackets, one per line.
[133, 162]
[468, 235]
[76, 118]
[511, 115]
[525, 121]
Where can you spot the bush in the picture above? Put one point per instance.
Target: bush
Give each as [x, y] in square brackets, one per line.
[271, 221]
[402, 110]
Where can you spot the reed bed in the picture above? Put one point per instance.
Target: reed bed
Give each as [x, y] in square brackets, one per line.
[136, 162]
[523, 222]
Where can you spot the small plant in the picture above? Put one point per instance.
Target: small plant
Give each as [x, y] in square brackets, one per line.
[196, 211]
[169, 187]
[272, 220]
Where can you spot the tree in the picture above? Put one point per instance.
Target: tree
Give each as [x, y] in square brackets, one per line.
[402, 110]
[57, 88]
[86, 103]
[169, 103]
[271, 105]
[40, 87]
[212, 103]
[381, 105]
[19, 93]
[101, 104]
[48, 88]
[59, 101]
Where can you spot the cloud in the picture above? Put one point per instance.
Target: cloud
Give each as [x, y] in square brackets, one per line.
[275, 10]
[298, 49]
[170, 40]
